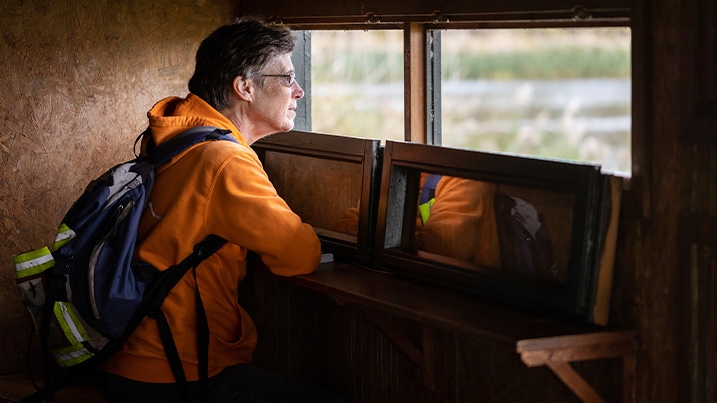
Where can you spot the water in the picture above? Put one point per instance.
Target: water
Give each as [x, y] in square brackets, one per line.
[585, 120]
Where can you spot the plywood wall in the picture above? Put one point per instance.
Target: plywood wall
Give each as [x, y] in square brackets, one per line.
[76, 81]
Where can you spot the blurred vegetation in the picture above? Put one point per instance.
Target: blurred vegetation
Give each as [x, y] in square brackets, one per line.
[357, 88]
[545, 64]
[369, 66]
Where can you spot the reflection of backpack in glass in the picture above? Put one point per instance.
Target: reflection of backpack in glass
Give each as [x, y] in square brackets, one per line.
[525, 245]
[86, 296]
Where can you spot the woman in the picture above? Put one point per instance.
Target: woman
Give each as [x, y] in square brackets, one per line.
[243, 82]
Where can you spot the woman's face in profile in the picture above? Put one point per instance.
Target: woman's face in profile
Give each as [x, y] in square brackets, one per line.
[274, 107]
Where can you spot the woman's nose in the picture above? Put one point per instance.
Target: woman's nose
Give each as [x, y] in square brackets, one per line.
[297, 91]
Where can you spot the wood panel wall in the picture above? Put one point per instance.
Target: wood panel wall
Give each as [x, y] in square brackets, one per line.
[666, 282]
[76, 81]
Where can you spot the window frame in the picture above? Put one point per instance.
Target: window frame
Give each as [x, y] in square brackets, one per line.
[422, 50]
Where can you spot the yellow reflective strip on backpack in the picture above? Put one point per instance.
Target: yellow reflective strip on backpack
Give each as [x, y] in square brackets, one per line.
[70, 323]
[75, 333]
[33, 262]
[425, 209]
[64, 234]
[73, 355]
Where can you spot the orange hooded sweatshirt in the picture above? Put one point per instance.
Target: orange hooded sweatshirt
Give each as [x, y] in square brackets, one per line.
[462, 222]
[218, 187]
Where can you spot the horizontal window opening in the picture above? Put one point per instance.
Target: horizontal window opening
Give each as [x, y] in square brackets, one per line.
[561, 93]
[357, 83]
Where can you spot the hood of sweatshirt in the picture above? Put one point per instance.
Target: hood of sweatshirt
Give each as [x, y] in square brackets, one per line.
[173, 115]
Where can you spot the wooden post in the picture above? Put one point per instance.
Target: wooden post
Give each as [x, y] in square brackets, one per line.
[415, 96]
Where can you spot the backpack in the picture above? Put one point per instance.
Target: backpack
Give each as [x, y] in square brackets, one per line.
[525, 244]
[85, 296]
[523, 238]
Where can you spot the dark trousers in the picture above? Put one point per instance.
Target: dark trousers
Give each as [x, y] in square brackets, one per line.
[237, 384]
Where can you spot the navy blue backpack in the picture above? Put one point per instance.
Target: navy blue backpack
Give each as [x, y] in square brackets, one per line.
[86, 295]
[525, 244]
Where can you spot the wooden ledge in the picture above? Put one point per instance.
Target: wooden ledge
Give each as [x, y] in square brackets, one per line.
[433, 305]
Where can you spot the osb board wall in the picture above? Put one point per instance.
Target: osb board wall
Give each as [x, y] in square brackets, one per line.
[76, 81]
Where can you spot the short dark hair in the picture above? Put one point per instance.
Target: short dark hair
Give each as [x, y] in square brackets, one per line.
[243, 47]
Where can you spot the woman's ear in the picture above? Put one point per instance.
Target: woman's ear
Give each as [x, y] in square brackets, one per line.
[243, 88]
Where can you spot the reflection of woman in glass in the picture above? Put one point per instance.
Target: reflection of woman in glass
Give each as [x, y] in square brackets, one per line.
[460, 222]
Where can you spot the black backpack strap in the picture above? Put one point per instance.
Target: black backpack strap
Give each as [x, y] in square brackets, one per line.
[170, 349]
[202, 342]
[150, 145]
[166, 151]
[160, 289]
[204, 249]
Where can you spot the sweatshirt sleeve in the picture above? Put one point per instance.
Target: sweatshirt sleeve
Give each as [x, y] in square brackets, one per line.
[245, 209]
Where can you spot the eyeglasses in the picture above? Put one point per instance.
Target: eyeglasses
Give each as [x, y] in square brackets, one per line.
[289, 79]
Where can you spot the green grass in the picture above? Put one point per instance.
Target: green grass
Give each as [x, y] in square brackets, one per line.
[562, 63]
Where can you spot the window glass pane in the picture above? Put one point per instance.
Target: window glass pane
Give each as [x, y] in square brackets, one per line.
[357, 83]
[562, 93]
[321, 192]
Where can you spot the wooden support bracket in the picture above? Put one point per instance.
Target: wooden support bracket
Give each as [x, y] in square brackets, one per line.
[424, 358]
[558, 352]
